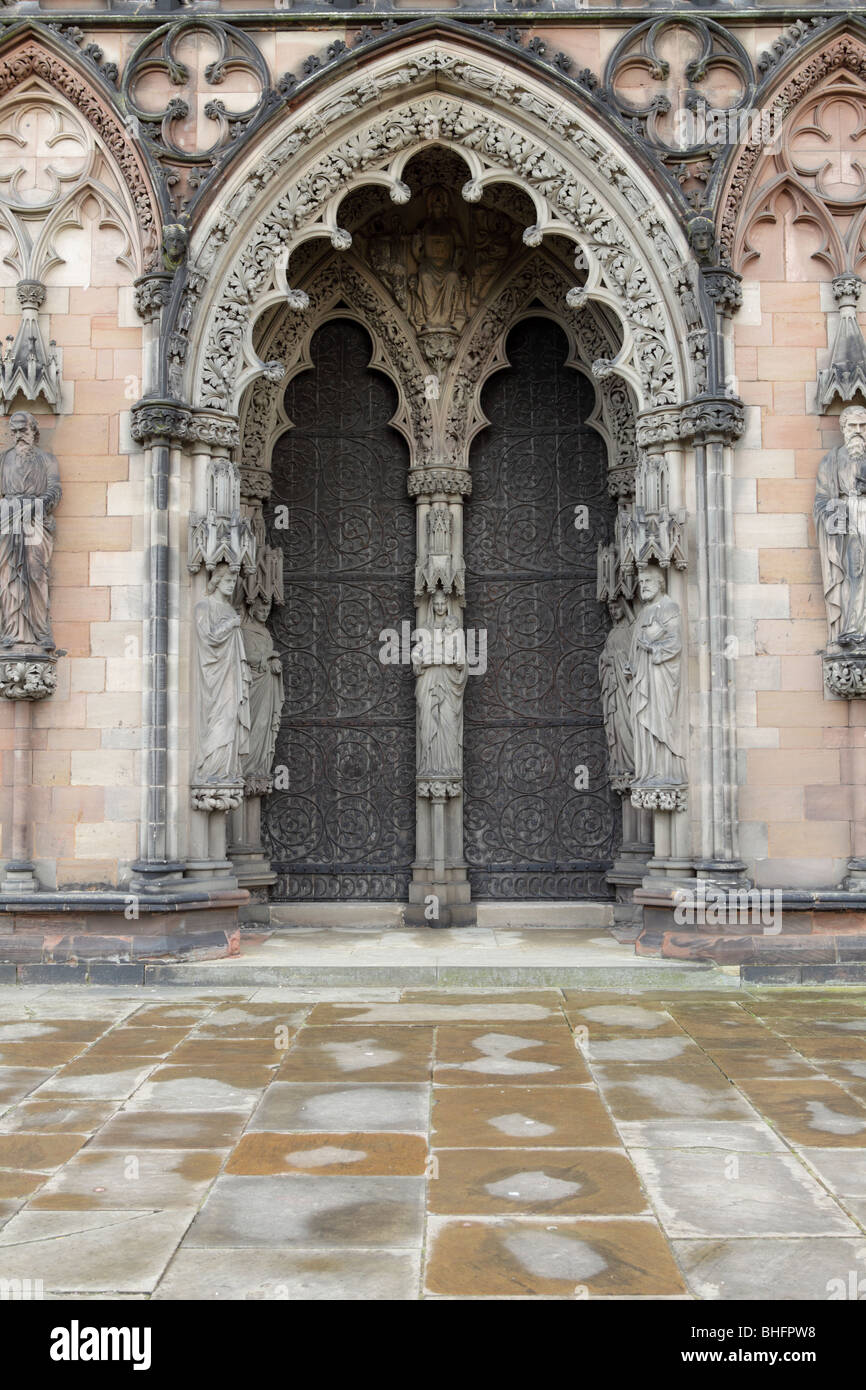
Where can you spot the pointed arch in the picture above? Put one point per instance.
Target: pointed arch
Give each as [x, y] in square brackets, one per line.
[632, 256]
[23, 58]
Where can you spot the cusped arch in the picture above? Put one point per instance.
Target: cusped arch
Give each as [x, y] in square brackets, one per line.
[632, 256]
[25, 58]
[838, 49]
[343, 287]
[540, 285]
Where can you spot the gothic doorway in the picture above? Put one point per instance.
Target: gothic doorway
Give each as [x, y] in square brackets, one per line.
[540, 819]
[341, 825]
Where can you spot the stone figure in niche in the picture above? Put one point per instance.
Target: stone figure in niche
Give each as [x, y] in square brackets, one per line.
[613, 667]
[30, 490]
[840, 521]
[438, 291]
[654, 668]
[221, 689]
[439, 666]
[266, 698]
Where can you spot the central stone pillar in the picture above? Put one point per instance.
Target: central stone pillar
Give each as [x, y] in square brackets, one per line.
[439, 894]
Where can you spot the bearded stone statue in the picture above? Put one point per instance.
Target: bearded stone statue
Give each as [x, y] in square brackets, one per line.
[654, 666]
[840, 522]
[29, 492]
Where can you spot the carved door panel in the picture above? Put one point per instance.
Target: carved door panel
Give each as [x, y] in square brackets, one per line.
[344, 826]
[536, 826]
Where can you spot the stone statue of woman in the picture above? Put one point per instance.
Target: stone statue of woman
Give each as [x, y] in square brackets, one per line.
[221, 693]
[30, 490]
[266, 698]
[613, 668]
[656, 680]
[439, 664]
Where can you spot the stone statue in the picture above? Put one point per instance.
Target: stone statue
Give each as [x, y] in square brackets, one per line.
[438, 290]
[613, 668]
[222, 697]
[266, 698]
[840, 522]
[654, 668]
[439, 665]
[29, 492]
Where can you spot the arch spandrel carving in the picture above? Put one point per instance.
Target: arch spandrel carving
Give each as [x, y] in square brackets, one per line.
[30, 59]
[838, 63]
[581, 186]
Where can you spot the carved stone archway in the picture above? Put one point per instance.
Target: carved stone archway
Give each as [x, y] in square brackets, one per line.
[632, 270]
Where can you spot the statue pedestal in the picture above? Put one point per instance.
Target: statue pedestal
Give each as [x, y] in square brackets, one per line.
[845, 672]
[439, 894]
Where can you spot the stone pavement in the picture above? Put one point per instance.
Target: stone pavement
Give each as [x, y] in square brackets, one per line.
[378, 1144]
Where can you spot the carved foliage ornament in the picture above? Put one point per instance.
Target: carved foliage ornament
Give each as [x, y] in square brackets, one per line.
[607, 245]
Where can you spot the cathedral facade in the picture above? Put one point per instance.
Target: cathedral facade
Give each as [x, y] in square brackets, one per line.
[435, 482]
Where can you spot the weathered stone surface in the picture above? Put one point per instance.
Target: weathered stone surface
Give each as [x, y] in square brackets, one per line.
[297, 1276]
[312, 1212]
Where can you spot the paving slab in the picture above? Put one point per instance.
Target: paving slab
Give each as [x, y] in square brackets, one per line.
[113, 1179]
[503, 1116]
[297, 1107]
[534, 1182]
[314, 1275]
[774, 1270]
[554, 1259]
[311, 1212]
[704, 1193]
[89, 1251]
[330, 1154]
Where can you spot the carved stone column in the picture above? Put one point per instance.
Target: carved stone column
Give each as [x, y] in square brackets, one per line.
[439, 894]
[715, 423]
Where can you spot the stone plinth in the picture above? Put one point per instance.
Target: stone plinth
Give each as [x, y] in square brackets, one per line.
[776, 928]
[74, 929]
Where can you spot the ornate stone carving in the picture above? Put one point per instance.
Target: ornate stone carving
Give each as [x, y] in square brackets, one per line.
[439, 666]
[846, 676]
[845, 376]
[154, 419]
[28, 680]
[713, 417]
[437, 567]
[28, 367]
[453, 481]
[655, 698]
[613, 667]
[789, 39]
[187, 154]
[221, 534]
[840, 521]
[152, 292]
[724, 287]
[266, 699]
[605, 242]
[29, 492]
[649, 532]
[30, 59]
[221, 691]
[801, 176]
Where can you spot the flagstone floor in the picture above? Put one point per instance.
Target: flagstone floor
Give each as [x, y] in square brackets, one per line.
[396, 1144]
